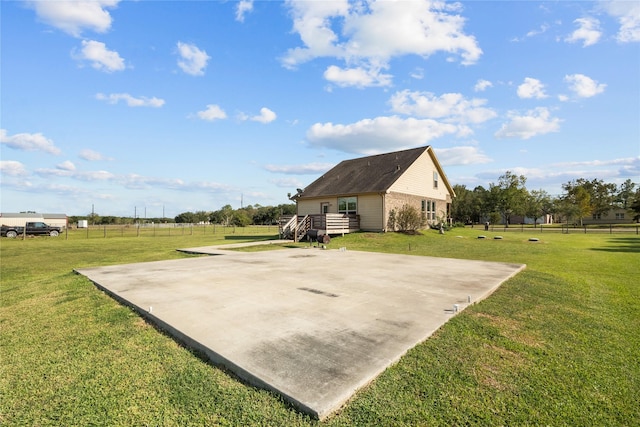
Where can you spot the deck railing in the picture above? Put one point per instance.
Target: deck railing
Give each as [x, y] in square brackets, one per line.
[332, 223]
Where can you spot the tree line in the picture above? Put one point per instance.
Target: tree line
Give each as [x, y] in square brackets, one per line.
[509, 198]
[226, 216]
[248, 215]
[502, 202]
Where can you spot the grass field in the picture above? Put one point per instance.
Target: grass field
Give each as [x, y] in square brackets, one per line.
[559, 344]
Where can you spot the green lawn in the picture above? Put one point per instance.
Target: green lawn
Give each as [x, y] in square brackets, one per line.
[559, 344]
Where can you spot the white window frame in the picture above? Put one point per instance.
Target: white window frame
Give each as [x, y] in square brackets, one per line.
[348, 205]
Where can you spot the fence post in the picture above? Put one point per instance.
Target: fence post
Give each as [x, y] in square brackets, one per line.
[610, 228]
[105, 232]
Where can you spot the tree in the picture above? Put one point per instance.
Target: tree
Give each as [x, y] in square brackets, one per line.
[480, 204]
[462, 204]
[223, 216]
[536, 204]
[625, 195]
[576, 203]
[201, 217]
[509, 195]
[601, 194]
[634, 206]
[186, 218]
[241, 218]
[93, 218]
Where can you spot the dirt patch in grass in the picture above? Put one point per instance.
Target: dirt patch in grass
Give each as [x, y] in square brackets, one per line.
[513, 329]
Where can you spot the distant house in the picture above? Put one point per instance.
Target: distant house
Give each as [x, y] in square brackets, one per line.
[359, 194]
[615, 215]
[19, 219]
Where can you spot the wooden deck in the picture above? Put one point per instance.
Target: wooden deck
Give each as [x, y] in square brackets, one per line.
[295, 227]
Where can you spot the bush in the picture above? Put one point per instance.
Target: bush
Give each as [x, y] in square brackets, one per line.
[408, 218]
[391, 222]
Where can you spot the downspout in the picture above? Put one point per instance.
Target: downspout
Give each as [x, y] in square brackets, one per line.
[384, 212]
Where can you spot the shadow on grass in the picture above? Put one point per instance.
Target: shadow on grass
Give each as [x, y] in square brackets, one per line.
[622, 244]
[250, 237]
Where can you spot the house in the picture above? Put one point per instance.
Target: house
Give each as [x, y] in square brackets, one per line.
[359, 194]
[19, 219]
[615, 215]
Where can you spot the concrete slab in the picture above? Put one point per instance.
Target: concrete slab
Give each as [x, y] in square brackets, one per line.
[312, 325]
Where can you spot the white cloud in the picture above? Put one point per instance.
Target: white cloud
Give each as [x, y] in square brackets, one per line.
[243, 7]
[95, 176]
[584, 86]
[598, 163]
[193, 60]
[482, 85]
[67, 165]
[73, 17]
[303, 169]
[452, 107]
[28, 142]
[378, 135]
[535, 122]
[418, 73]
[48, 173]
[359, 77]
[531, 88]
[287, 182]
[543, 29]
[99, 56]
[213, 112]
[92, 156]
[265, 116]
[628, 14]
[588, 32]
[139, 182]
[87, 176]
[468, 155]
[12, 168]
[371, 34]
[131, 101]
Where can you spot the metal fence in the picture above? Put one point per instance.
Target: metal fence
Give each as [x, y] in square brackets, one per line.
[565, 229]
[166, 230]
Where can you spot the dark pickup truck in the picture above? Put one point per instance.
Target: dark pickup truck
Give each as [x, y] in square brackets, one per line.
[32, 228]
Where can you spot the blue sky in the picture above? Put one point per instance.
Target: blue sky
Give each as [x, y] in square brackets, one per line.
[164, 107]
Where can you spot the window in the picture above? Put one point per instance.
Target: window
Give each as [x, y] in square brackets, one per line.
[348, 205]
[324, 207]
[597, 216]
[620, 216]
[429, 210]
[435, 180]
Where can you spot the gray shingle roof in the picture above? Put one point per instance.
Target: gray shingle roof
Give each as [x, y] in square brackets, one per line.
[371, 174]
